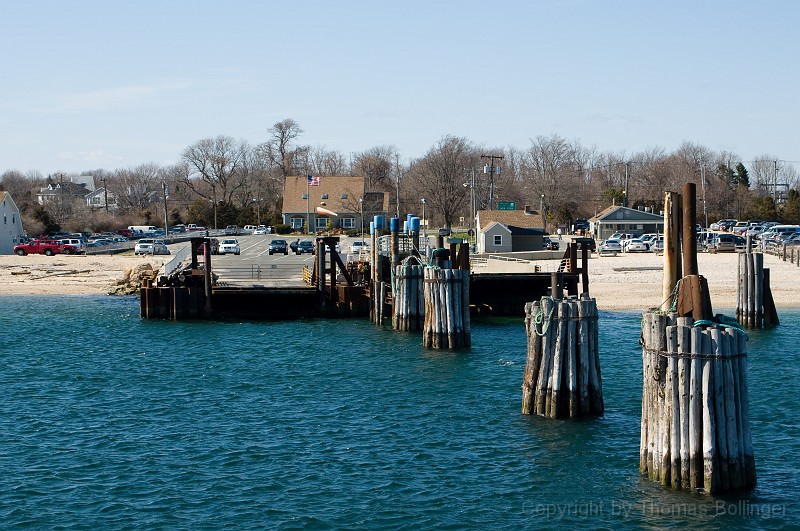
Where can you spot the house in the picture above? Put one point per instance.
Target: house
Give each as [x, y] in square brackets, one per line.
[618, 218]
[509, 230]
[61, 191]
[99, 198]
[342, 194]
[11, 232]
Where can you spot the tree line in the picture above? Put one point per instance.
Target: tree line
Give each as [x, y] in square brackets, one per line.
[222, 180]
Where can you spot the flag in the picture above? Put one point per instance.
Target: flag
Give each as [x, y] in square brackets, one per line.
[313, 180]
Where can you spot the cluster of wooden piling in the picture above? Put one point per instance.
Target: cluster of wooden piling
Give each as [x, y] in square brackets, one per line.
[446, 296]
[562, 372]
[409, 299]
[695, 431]
[755, 307]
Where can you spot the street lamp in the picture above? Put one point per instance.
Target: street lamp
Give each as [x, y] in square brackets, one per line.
[361, 204]
[544, 216]
[423, 217]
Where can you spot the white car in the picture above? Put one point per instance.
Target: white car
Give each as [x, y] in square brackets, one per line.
[260, 231]
[358, 247]
[636, 245]
[230, 245]
[610, 246]
[150, 246]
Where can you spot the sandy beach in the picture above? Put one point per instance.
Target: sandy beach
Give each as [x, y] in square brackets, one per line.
[630, 281]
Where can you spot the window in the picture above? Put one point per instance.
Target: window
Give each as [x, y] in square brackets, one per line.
[297, 223]
[324, 196]
[344, 196]
[5, 220]
[321, 223]
[305, 196]
[498, 239]
[348, 223]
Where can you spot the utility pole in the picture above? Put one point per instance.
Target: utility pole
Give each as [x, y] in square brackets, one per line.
[105, 192]
[491, 173]
[166, 226]
[775, 185]
[625, 195]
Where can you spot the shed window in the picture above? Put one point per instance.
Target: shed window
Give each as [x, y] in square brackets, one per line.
[305, 196]
[498, 239]
[324, 196]
[344, 196]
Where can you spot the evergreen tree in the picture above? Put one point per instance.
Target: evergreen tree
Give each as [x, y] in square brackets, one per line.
[742, 177]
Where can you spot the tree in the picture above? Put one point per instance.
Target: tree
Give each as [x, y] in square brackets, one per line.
[216, 162]
[438, 177]
[278, 149]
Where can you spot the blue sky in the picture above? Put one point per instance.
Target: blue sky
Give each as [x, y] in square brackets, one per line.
[108, 84]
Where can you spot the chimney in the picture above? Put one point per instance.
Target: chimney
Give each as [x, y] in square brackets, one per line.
[528, 211]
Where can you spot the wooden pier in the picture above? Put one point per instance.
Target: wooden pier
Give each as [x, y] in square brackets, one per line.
[333, 288]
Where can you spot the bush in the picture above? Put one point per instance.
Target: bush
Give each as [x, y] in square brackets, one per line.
[283, 229]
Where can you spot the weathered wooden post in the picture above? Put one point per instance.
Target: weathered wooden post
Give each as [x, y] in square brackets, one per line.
[695, 420]
[447, 319]
[209, 309]
[562, 371]
[672, 251]
[755, 307]
[409, 307]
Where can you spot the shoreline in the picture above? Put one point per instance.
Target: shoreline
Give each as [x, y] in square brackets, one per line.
[625, 282]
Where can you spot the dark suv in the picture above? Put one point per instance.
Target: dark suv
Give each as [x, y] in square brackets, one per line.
[587, 243]
[278, 246]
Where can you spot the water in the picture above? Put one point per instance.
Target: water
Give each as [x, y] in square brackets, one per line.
[109, 421]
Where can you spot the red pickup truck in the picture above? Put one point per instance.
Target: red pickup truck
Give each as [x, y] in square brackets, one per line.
[46, 247]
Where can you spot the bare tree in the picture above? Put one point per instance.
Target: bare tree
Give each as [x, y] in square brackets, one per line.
[376, 165]
[438, 177]
[218, 163]
[133, 187]
[278, 149]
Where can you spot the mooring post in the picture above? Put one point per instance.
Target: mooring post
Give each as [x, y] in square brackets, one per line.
[557, 285]
[394, 227]
[207, 275]
[689, 200]
[672, 251]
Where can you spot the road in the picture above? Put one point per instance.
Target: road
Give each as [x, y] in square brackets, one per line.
[256, 266]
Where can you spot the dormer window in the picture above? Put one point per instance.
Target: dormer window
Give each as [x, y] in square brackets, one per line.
[344, 196]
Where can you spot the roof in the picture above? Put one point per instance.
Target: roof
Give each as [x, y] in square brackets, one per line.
[517, 218]
[621, 213]
[340, 193]
[526, 231]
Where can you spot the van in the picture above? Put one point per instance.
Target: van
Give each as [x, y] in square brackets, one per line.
[142, 229]
[248, 229]
[779, 232]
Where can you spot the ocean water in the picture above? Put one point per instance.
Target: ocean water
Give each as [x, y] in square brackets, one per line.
[108, 421]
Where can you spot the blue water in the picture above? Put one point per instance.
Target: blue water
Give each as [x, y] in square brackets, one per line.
[110, 421]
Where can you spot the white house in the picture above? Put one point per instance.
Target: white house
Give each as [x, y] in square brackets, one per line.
[10, 224]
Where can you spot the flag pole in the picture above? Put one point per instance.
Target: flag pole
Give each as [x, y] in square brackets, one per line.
[308, 207]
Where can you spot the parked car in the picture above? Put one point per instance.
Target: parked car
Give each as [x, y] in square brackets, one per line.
[550, 244]
[657, 245]
[305, 246]
[150, 246]
[232, 230]
[610, 246]
[260, 230]
[278, 246]
[588, 243]
[229, 245]
[338, 248]
[635, 245]
[359, 246]
[722, 243]
[45, 247]
[74, 245]
[214, 246]
[581, 225]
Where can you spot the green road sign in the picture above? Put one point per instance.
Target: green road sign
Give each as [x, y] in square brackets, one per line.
[506, 205]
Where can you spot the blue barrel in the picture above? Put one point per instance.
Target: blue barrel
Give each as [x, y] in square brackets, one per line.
[408, 217]
[415, 224]
[394, 224]
[378, 220]
[372, 227]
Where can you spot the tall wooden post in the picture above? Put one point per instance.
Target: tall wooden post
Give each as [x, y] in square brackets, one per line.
[672, 250]
[689, 227]
[207, 276]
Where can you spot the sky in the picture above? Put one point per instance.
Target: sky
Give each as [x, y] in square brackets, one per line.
[90, 84]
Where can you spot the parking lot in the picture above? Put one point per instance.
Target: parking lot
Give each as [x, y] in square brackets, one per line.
[256, 265]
